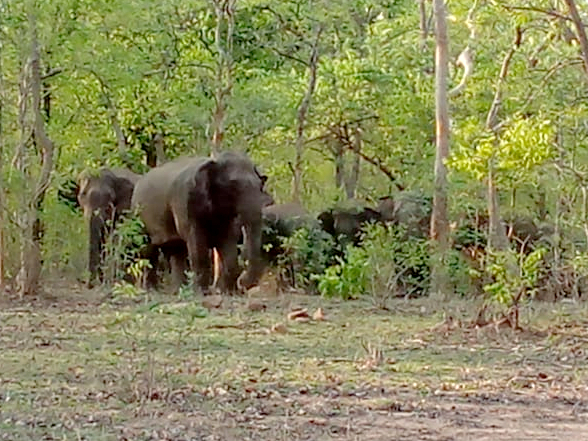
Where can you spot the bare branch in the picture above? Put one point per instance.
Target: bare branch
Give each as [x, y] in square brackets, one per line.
[302, 111]
[466, 58]
[549, 12]
[491, 120]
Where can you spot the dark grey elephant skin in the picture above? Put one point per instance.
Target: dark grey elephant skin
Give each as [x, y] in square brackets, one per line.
[104, 197]
[191, 206]
[347, 224]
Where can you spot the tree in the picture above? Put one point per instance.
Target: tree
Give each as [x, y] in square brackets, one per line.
[439, 218]
[30, 221]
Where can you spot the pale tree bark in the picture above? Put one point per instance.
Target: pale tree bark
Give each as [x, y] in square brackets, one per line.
[30, 270]
[301, 116]
[497, 238]
[440, 286]
[225, 12]
[2, 207]
[580, 30]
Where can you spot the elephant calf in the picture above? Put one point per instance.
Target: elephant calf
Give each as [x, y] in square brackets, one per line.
[103, 197]
[193, 205]
[346, 223]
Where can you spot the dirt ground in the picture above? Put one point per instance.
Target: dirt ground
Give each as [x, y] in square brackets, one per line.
[84, 365]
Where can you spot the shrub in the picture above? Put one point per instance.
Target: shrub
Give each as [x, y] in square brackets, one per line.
[306, 253]
[389, 263]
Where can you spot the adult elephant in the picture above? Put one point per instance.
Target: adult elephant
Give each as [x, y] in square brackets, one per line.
[103, 198]
[194, 205]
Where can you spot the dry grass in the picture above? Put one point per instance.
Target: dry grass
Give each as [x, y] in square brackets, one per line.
[76, 367]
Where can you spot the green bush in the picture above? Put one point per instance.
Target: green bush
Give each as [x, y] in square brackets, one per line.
[307, 253]
[514, 276]
[389, 263]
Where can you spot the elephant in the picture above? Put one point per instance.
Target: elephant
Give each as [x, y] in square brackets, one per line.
[280, 221]
[103, 197]
[347, 224]
[410, 209]
[193, 205]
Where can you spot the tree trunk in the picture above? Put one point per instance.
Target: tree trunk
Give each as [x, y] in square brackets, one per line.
[2, 269]
[224, 10]
[439, 222]
[497, 238]
[423, 22]
[581, 32]
[353, 178]
[302, 111]
[161, 157]
[30, 270]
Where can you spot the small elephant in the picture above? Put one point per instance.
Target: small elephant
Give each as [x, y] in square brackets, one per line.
[103, 197]
[347, 224]
[193, 205]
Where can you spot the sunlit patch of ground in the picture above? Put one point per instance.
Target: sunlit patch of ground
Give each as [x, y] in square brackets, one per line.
[80, 365]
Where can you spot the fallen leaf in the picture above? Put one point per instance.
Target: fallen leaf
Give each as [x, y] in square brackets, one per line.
[319, 315]
[298, 313]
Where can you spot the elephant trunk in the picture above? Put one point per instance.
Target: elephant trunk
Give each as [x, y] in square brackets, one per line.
[255, 263]
[96, 243]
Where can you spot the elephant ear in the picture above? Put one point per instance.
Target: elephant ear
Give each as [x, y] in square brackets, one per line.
[202, 188]
[123, 190]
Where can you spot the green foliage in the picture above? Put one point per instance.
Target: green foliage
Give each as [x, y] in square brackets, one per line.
[524, 145]
[513, 279]
[307, 252]
[388, 264]
[122, 248]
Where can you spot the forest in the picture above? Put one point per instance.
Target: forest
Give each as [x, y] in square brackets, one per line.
[424, 199]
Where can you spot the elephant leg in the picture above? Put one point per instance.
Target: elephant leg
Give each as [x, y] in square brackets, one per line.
[149, 278]
[200, 259]
[178, 270]
[95, 250]
[229, 266]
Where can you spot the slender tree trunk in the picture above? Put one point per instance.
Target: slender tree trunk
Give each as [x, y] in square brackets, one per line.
[580, 31]
[161, 157]
[423, 22]
[439, 222]
[302, 111]
[2, 97]
[225, 10]
[496, 232]
[338, 149]
[353, 179]
[31, 256]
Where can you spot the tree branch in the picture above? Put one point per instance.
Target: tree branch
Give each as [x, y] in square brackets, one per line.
[491, 120]
[581, 32]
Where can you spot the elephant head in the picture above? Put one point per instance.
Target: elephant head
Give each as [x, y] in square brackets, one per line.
[102, 198]
[238, 189]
